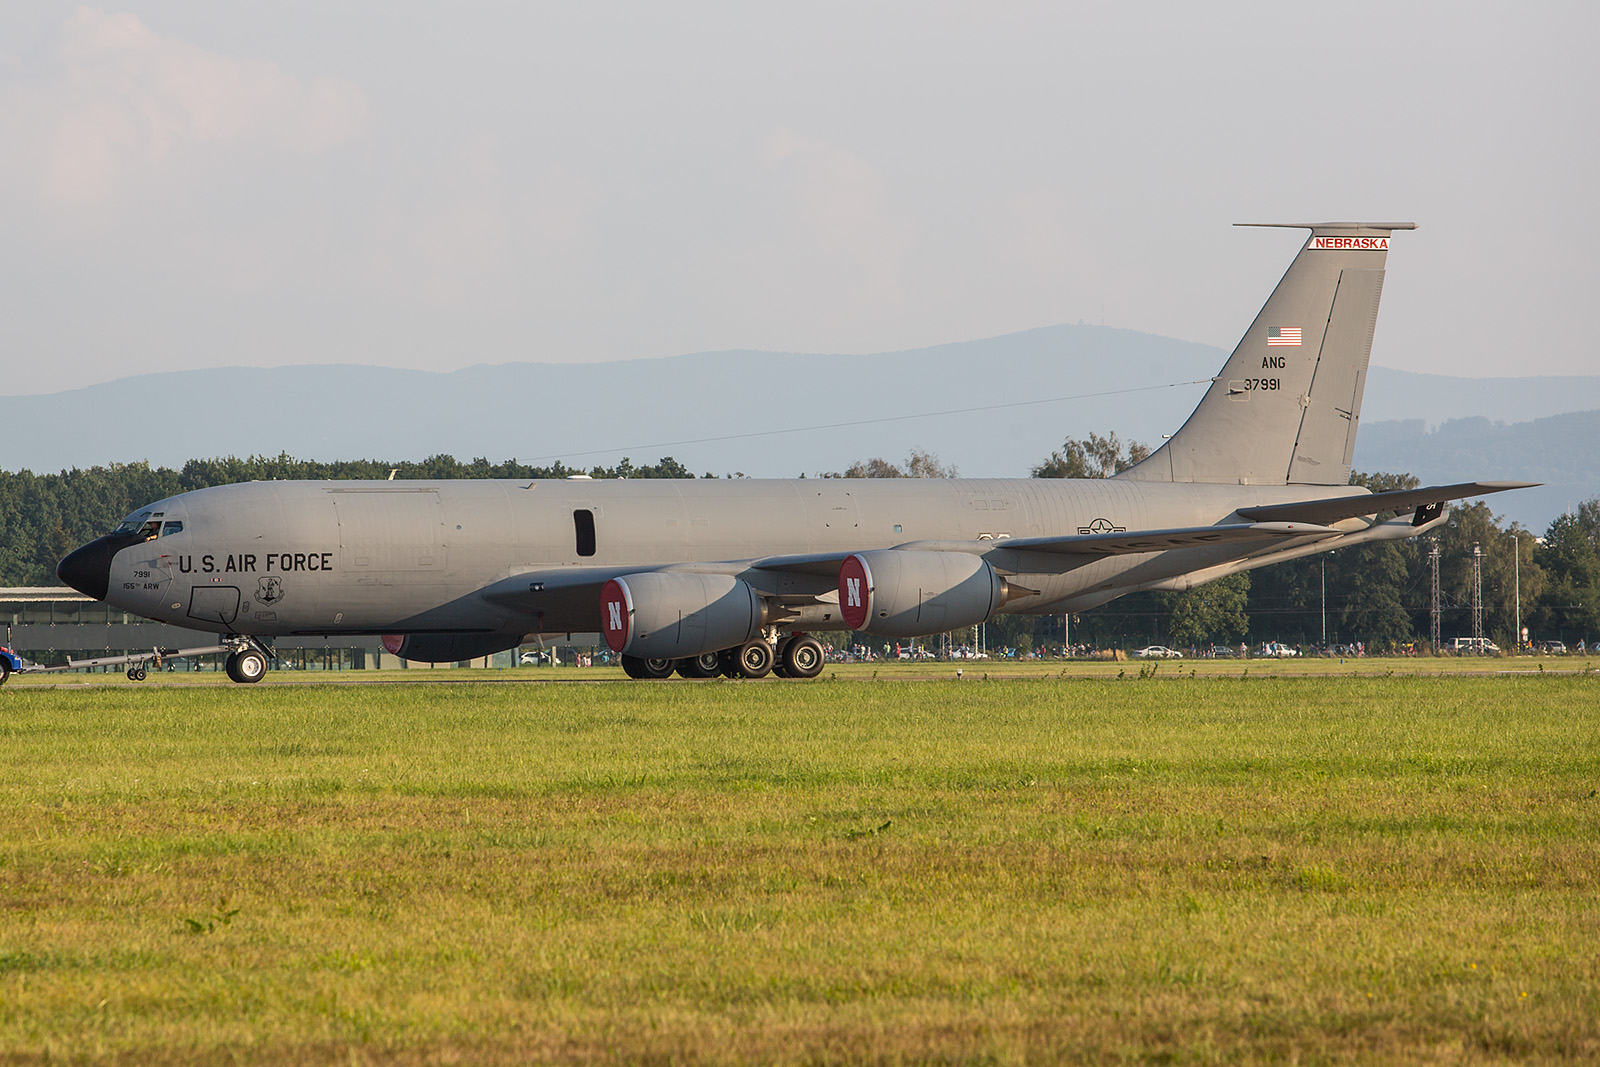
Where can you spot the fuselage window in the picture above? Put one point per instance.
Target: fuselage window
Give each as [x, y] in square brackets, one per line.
[583, 524]
[170, 528]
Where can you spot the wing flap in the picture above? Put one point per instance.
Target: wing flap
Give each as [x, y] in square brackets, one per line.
[1133, 542]
[1349, 507]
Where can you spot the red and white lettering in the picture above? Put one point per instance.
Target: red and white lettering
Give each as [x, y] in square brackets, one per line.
[616, 614]
[855, 592]
[1375, 244]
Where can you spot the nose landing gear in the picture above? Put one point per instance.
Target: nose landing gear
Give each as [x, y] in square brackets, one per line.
[246, 665]
[247, 659]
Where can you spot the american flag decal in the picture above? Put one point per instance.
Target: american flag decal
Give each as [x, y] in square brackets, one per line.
[1283, 335]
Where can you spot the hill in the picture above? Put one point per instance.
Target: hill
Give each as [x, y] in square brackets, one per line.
[1002, 404]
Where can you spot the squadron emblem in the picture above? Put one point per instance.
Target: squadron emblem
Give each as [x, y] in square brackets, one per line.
[269, 590]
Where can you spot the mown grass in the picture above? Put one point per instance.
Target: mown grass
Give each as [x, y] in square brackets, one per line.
[1183, 870]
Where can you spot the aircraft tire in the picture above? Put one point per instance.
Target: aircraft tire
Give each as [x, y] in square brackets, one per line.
[705, 665]
[247, 667]
[5, 671]
[755, 659]
[648, 668]
[802, 658]
[138, 674]
[128, 674]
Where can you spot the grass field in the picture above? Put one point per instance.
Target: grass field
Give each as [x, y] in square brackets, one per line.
[1222, 869]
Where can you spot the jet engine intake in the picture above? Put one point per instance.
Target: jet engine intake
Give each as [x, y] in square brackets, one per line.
[675, 615]
[913, 593]
[448, 648]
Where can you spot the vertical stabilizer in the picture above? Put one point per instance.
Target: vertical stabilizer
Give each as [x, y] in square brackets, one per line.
[1285, 407]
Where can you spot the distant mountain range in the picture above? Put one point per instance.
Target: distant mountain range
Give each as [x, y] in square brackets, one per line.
[995, 407]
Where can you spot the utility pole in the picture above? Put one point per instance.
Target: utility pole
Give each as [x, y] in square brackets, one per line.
[1477, 597]
[1516, 637]
[1324, 562]
[1433, 615]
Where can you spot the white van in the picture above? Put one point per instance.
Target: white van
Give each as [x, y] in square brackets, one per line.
[1476, 645]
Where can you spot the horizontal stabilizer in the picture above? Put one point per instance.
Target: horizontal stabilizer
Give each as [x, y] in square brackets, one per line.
[1350, 507]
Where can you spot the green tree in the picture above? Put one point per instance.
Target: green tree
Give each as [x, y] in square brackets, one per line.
[1214, 612]
[1569, 607]
[1474, 525]
[42, 517]
[1094, 457]
[919, 464]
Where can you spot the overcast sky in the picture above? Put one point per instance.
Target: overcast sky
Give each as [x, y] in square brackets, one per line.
[191, 184]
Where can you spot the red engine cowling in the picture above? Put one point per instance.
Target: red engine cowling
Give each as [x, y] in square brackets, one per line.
[913, 594]
[674, 615]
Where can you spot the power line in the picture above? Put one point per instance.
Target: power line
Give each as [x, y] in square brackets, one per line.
[867, 422]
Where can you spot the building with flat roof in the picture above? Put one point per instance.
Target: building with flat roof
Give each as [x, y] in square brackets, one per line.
[50, 624]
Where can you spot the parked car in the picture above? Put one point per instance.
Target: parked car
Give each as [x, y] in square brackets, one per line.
[1158, 652]
[9, 661]
[1553, 648]
[1476, 646]
[1278, 650]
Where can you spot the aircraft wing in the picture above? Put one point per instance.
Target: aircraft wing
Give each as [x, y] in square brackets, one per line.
[1350, 507]
[563, 592]
[557, 591]
[1130, 542]
[1121, 542]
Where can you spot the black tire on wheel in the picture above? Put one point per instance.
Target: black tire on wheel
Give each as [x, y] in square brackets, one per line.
[802, 658]
[252, 666]
[247, 666]
[638, 667]
[705, 665]
[138, 674]
[5, 671]
[129, 674]
[755, 659]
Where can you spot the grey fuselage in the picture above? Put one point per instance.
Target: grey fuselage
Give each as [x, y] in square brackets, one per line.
[389, 557]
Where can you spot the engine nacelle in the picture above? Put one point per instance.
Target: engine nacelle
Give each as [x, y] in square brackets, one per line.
[674, 615]
[448, 648]
[913, 594]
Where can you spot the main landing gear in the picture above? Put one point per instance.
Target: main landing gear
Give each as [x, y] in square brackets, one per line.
[796, 656]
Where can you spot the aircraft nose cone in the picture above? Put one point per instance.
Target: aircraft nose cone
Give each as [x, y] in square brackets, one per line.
[88, 569]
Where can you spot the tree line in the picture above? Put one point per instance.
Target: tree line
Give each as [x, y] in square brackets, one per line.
[1379, 594]
[45, 516]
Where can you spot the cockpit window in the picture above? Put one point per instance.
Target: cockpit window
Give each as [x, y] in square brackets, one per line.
[170, 528]
[147, 524]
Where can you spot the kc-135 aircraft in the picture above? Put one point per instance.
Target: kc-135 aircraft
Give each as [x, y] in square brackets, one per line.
[708, 577]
